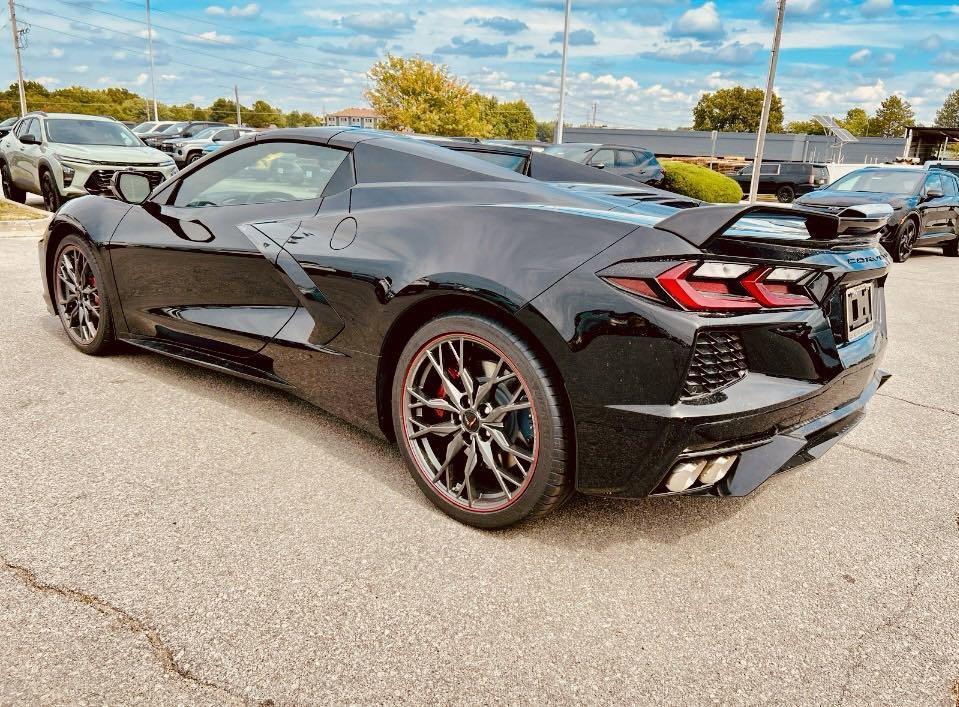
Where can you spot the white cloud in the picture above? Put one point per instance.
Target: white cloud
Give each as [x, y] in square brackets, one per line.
[81, 68]
[626, 83]
[119, 55]
[141, 79]
[795, 8]
[866, 95]
[169, 77]
[874, 8]
[248, 10]
[56, 52]
[47, 80]
[946, 80]
[860, 58]
[931, 43]
[700, 22]
[211, 37]
[143, 33]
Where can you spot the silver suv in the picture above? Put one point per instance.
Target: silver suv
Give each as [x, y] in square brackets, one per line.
[62, 155]
[188, 150]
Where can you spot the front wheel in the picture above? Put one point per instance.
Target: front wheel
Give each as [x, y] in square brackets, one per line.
[480, 423]
[50, 192]
[80, 300]
[194, 156]
[951, 249]
[786, 194]
[9, 189]
[905, 241]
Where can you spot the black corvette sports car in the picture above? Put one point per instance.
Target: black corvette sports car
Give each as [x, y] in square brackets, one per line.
[519, 341]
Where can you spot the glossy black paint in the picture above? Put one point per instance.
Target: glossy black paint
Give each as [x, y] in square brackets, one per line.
[319, 297]
[937, 216]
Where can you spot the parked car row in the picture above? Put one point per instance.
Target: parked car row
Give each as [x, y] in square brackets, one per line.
[62, 155]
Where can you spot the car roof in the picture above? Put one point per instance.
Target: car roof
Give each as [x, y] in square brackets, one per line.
[99, 118]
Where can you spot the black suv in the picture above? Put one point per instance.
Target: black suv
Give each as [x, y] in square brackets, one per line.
[179, 130]
[786, 180]
[624, 160]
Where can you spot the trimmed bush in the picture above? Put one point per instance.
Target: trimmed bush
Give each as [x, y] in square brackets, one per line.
[700, 183]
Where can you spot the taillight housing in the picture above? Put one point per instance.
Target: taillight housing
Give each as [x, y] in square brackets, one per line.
[716, 286]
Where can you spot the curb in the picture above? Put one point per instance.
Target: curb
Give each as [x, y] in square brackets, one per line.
[17, 228]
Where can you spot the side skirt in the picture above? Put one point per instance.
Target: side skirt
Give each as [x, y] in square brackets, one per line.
[248, 369]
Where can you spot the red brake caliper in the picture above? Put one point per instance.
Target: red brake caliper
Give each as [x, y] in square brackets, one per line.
[454, 374]
[92, 281]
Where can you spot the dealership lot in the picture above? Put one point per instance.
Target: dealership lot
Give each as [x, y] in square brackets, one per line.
[171, 534]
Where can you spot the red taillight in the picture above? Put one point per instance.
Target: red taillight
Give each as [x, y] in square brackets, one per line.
[714, 286]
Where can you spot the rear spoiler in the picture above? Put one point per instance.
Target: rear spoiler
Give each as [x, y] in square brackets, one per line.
[704, 223]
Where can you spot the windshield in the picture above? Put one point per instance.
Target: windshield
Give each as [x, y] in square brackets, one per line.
[144, 127]
[173, 128]
[208, 132]
[76, 131]
[577, 153]
[954, 168]
[880, 182]
[516, 163]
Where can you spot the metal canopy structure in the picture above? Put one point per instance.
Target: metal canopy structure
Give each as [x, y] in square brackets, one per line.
[840, 135]
[929, 143]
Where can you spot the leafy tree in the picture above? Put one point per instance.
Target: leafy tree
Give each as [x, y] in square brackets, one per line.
[544, 131]
[805, 127]
[736, 109]
[262, 115]
[948, 115]
[856, 122]
[517, 121]
[892, 118]
[415, 94]
[223, 109]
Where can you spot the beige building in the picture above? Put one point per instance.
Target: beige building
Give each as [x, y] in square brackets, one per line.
[355, 118]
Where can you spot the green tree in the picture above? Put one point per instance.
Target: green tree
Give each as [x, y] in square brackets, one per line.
[223, 109]
[736, 109]
[856, 122]
[805, 127]
[262, 115]
[892, 118]
[415, 94]
[948, 115]
[516, 121]
[544, 131]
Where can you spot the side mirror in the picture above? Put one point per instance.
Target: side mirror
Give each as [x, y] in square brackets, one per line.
[131, 187]
[29, 140]
[599, 165]
[934, 194]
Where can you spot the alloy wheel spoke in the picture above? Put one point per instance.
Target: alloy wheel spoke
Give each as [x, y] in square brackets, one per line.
[489, 458]
[490, 383]
[434, 403]
[452, 392]
[456, 445]
[468, 472]
[442, 428]
[503, 443]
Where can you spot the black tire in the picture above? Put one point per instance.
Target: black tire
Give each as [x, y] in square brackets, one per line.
[951, 249]
[549, 480]
[786, 194]
[9, 190]
[104, 339]
[52, 199]
[905, 240]
[193, 157]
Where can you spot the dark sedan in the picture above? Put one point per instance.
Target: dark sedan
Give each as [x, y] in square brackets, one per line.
[925, 205]
[517, 340]
[634, 163]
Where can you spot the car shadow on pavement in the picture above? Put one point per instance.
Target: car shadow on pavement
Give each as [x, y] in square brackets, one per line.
[585, 522]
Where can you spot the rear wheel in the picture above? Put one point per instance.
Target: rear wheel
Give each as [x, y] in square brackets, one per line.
[81, 303]
[9, 190]
[50, 192]
[480, 423]
[905, 241]
[194, 156]
[951, 248]
[786, 194]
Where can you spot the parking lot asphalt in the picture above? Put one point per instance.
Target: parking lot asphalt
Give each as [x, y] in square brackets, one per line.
[172, 535]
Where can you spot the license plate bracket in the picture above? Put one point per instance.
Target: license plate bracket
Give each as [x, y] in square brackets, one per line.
[858, 304]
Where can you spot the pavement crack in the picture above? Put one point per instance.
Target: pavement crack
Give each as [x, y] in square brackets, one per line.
[886, 623]
[158, 646]
[920, 405]
[878, 455]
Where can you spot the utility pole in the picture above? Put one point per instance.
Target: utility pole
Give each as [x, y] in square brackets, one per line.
[236, 99]
[558, 133]
[595, 104]
[153, 76]
[767, 102]
[16, 49]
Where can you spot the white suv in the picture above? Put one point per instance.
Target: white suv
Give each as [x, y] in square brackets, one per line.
[188, 150]
[62, 155]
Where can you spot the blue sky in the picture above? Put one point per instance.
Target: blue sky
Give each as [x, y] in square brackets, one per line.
[644, 63]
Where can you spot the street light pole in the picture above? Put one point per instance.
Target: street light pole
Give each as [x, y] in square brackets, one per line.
[16, 49]
[153, 77]
[236, 99]
[767, 102]
[558, 133]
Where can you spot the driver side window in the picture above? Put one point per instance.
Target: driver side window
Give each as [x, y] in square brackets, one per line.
[932, 182]
[268, 172]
